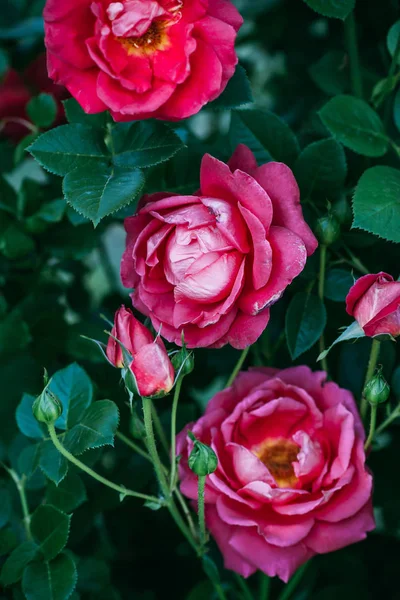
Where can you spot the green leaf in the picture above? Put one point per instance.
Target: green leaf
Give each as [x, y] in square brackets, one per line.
[8, 197]
[321, 167]
[15, 564]
[74, 389]
[48, 213]
[337, 284]
[351, 332]
[64, 148]
[42, 110]
[76, 115]
[396, 109]
[22, 148]
[330, 73]
[50, 529]
[337, 9]
[50, 581]
[393, 39]
[102, 189]
[305, 323]
[237, 92]
[265, 134]
[28, 460]
[96, 428]
[14, 243]
[70, 494]
[211, 569]
[5, 506]
[376, 204]
[52, 463]
[26, 422]
[8, 541]
[143, 144]
[4, 62]
[355, 124]
[14, 334]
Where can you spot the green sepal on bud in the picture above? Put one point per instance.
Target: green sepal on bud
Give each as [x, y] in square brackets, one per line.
[47, 408]
[202, 460]
[327, 229]
[183, 361]
[377, 390]
[342, 211]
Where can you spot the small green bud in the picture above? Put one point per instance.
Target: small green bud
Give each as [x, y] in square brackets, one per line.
[327, 229]
[47, 408]
[342, 211]
[377, 390]
[202, 460]
[183, 361]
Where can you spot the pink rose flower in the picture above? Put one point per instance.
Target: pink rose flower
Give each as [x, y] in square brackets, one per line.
[150, 364]
[291, 480]
[374, 301]
[139, 59]
[210, 265]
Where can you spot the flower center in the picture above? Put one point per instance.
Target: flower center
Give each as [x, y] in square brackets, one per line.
[154, 39]
[278, 454]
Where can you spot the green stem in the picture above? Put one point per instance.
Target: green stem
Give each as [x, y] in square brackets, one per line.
[392, 417]
[265, 585]
[201, 511]
[392, 70]
[352, 49]
[247, 595]
[132, 445]
[186, 512]
[373, 359]
[238, 366]
[118, 488]
[159, 429]
[372, 426]
[293, 583]
[220, 592]
[173, 432]
[20, 485]
[152, 447]
[321, 286]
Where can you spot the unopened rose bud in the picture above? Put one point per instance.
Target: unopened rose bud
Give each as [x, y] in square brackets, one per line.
[183, 361]
[327, 229]
[342, 211]
[47, 408]
[377, 390]
[202, 460]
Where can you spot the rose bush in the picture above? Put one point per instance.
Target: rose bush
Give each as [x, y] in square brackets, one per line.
[291, 480]
[212, 264]
[374, 301]
[150, 364]
[162, 59]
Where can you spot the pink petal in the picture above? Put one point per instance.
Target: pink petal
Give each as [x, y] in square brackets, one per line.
[360, 287]
[227, 12]
[221, 36]
[262, 252]
[243, 159]
[153, 370]
[245, 330]
[173, 62]
[229, 221]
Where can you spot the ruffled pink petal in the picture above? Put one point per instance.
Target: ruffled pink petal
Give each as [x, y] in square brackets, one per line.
[227, 12]
[229, 221]
[153, 370]
[262, 251]
[339, 428]
[245, 330]
[279, 182]
[389, 325]
[243, 384]
[243, 159]
[173, 63]
[272, 560]
[327, 537]
[196, 90]
[221, 36]
[66, 38]
[57, 11]
[288, 260]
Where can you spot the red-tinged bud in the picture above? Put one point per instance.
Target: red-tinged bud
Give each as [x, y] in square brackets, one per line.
[131, 345]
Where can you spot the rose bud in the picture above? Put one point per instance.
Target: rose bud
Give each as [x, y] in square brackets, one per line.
[377, 390]
[163, 59]
[150, 365]
[202, 459]
[183, 361]
[291, 480]
[342, 211]
[47, 408]
[374, 301]
[211, 264]
[327, 230]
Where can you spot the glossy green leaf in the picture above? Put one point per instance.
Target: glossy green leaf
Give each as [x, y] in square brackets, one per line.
[8, 541]
[321, 167]
[355, 124]
[76, 115]
[237, 93]
[393, 38]
[97, 428]
[50, 581]
[50, 530]
[52, 463]
[42, 110]
[352, 332]
[305, 323]
[331, 73]
[5, 506]
[265, 134]
[26, 422]
[15, 564]
[376, 203]
[337, 9]
[74, 389]
[102, 189]
[337, 284]
[70, 493]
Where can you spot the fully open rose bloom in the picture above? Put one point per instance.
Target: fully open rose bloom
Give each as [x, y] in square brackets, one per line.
[291, 480]
[142, 58]
[374, 301]
[212, 264]
[150, 364]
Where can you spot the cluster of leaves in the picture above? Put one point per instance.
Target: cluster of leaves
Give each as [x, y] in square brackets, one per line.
[58, 273]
